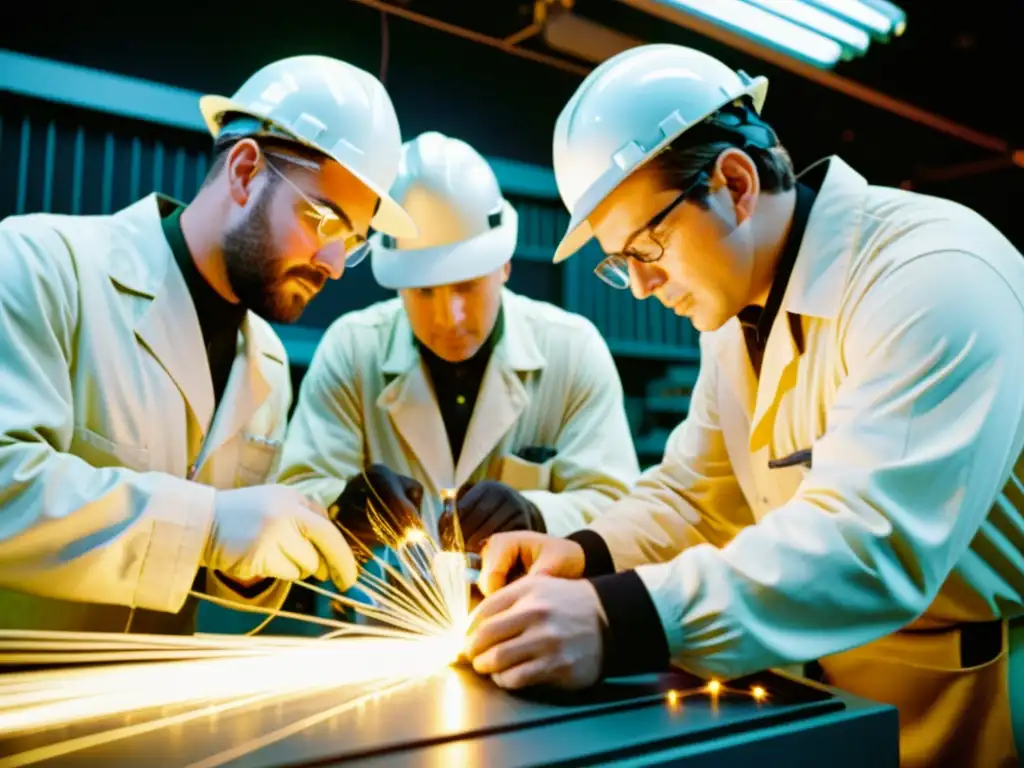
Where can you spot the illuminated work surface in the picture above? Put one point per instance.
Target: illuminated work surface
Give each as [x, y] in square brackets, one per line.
[459, 719]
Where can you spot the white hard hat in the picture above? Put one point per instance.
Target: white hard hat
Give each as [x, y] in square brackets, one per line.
[466, 228]
[332, 107]
[625, 112]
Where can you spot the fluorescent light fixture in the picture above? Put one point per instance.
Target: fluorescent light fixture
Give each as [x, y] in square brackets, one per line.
[765, 28]
[853, 11]
[895, 14]
[855, 41]
[584, 39]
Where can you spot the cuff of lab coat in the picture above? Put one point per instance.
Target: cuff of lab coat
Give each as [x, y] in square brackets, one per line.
[634, 641]
[181, 514]
[597, 557]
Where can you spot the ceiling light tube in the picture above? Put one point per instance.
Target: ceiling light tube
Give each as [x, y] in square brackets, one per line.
[894, 14]
[765, 28]
[855, 41]
[877, 24]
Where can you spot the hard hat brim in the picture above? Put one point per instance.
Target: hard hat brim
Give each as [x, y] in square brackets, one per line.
[579, 232]
[390, 217]
[399, 269]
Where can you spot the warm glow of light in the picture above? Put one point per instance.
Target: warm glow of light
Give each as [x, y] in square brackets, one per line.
[714, 687]
[58, 699]
[414, 536]
[673, 698]
[421, 607]
[758, 693]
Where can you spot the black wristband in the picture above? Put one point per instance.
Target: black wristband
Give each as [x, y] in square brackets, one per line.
[597, 558]
[634, 640]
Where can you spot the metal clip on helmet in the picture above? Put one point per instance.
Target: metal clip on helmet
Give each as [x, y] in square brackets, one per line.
[627, 111]
[327, 105]
[466, 228]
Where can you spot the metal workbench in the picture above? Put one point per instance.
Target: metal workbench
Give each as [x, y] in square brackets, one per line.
[460, 719]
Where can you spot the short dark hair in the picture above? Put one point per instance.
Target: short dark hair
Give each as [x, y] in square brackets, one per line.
[737, 125]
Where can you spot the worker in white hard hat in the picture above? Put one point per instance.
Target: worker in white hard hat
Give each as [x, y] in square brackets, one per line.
[145, 394]
[459, 383]
[847, 486]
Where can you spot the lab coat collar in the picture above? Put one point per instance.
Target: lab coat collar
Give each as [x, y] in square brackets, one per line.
[832, 235]
[257, 362]
[814, 290]
[412, 404]
[518, 346]
[815, 286]
[167, 323]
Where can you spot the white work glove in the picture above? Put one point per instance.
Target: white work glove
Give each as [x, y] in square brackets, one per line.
[274, 532]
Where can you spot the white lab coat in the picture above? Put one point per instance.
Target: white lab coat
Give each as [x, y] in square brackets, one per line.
[106, 403]
[551, 382]
[909, 391]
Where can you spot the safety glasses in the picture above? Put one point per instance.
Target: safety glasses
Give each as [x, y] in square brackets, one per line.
[642, 245]
[329, 226]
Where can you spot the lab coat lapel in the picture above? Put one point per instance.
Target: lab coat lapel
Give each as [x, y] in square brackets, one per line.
[777, 371]
[730, 352]
[247, 388]
[412, 406]
[167, 323]
[502, 397]
[814, 288]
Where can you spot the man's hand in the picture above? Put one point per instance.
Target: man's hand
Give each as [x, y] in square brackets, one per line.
[396, 498]
[535, 553]
[274, 532]
[486, 508]
[539, 630]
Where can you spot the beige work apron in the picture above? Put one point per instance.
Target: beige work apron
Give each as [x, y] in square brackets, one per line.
[950, 716]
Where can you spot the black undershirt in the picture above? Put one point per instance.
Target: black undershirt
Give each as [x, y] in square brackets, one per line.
[757, 321]
[457, 385]
[634, 639]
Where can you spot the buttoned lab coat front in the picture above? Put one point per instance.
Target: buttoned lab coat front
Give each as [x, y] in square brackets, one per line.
[106, 404]
[908, 392]
[551, 382]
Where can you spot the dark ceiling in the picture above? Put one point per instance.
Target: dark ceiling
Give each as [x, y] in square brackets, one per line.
[953, 64]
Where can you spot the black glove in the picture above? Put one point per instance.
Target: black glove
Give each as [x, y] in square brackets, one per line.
[395, 497]
[487, 508]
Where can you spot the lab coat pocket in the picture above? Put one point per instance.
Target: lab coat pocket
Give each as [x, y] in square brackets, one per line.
[100, 451]
[257, 459]
[523, 475]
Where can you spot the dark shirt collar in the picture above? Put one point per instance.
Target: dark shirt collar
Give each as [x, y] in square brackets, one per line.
[760, 320]
[218, 317]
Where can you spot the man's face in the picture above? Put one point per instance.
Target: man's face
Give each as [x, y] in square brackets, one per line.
[454, 321]
[706, 268]
[275, 253]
